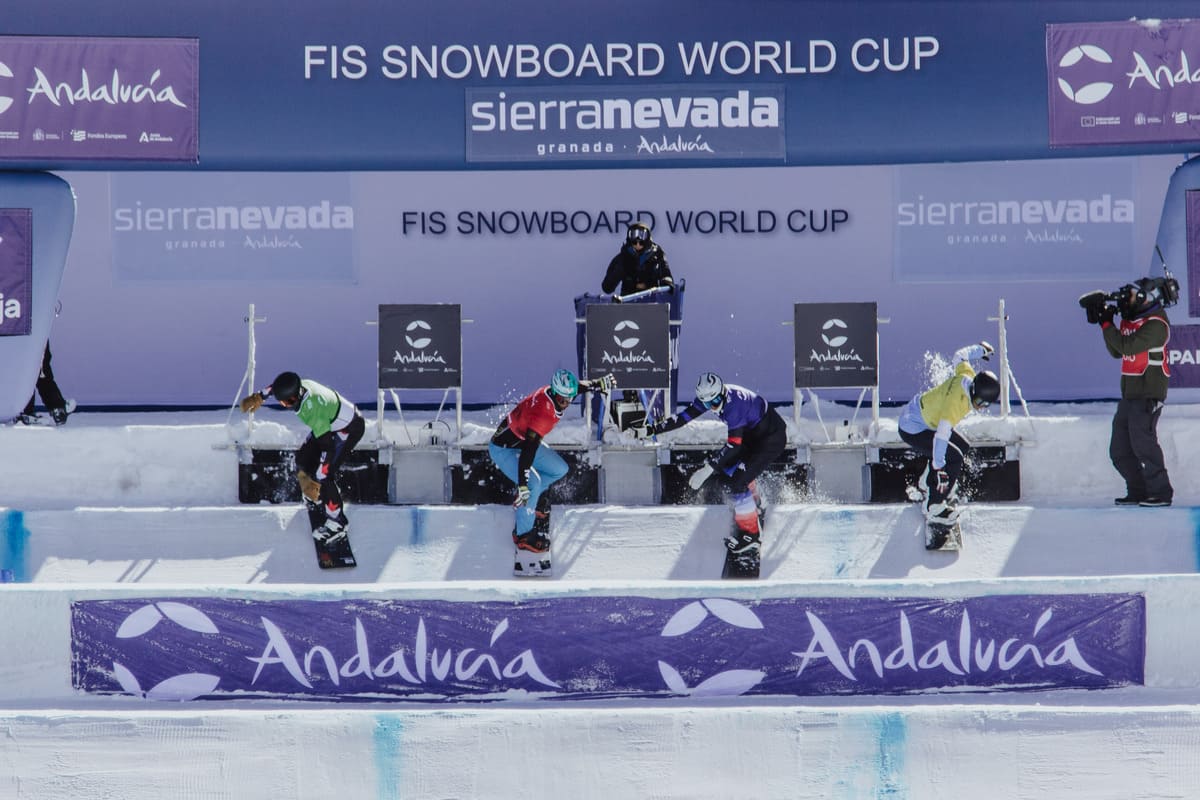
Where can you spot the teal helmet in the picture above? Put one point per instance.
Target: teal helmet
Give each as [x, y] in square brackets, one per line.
[565, 384]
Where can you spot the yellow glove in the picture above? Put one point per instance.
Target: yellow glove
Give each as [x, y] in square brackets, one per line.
[251, 403]
[308, 487]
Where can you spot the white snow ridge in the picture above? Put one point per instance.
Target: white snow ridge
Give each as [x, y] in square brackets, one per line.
[131, 523]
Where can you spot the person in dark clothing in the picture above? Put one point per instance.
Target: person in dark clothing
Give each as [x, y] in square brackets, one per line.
[640, 265]
[336, 426]
[52, 397]
[757, 437]
[1140, 342]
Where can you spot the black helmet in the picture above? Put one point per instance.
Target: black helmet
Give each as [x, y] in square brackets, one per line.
[638, 232]
[985, 389]
[286, 386]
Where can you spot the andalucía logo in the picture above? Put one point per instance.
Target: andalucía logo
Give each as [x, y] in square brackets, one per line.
[834, 338]
[417, 334]
[186, 686]
[625, 335]
[1089, 93]
[5, 101]
[728, 682]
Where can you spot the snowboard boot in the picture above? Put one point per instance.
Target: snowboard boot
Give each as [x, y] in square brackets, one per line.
[532, 541]
[60, 414]
[1129, 499]
[759, 504]
[944, 513]
[541, 517]
[917, 492]
[740, 542]
[28, 419]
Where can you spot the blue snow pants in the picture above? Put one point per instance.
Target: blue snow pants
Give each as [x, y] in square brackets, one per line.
[548, 467]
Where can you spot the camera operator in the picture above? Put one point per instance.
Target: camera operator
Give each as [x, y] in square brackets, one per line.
[1140, 342]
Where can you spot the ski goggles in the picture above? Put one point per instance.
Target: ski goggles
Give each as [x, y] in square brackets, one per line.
[714, 402]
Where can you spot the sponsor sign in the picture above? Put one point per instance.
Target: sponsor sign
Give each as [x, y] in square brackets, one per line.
[99, 99]
[590, 124]
[602, 646]
[232, 226]
[1192, 237]
[836, 345]
[420, 346]
[632, 341]
[1183, 356]
[16, 271]
[1009, 221]
[1123, 82]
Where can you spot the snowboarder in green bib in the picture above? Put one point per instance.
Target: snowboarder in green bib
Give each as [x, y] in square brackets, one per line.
[336, 426]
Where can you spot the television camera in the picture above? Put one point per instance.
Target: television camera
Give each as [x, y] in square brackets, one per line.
[1132, 298]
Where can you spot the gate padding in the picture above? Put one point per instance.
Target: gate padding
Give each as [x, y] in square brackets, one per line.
[476, 481]
[271, 477]
[988, 475]
[783, 474]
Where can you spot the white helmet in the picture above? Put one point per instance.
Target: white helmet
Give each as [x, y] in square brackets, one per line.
[710, 390]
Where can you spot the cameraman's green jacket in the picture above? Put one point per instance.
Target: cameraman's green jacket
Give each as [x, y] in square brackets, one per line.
[1151, 335]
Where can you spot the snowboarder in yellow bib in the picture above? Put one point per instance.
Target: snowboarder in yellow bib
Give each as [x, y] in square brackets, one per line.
[928, 421]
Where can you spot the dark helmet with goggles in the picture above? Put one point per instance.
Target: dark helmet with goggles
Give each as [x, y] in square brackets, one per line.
[638, 233]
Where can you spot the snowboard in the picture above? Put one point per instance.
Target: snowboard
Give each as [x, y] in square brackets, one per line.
[330, 555]
[743, 565]
[527, 564]
[946, 537]
[532, 565]
[38, 419]
[337, 555]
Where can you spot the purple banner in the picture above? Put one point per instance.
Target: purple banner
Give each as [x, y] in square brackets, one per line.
[1192, 237]
[1183, 356]
[604, 646]
[1123, 82]
[16, 271]
[99, 98]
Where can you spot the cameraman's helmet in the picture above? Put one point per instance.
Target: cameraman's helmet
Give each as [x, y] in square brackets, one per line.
[286, 387]
[1144, 294]
[985, 389]
[565, 384]
[638, 232]
[710, 391]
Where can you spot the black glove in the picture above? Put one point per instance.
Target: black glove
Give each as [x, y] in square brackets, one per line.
[605, 384]
[1106, 314]
[646, 430]
[1093, 303]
